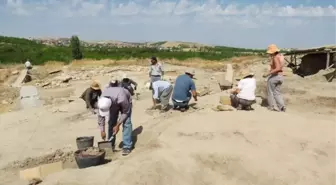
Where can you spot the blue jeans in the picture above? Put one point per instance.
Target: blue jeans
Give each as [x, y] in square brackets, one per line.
[183, 104]
[127, 130]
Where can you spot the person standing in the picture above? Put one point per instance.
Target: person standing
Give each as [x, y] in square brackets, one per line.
[162, 91]
[115, 100]
[275, 79]
[90, 96]
[155, 71]
[183, 90]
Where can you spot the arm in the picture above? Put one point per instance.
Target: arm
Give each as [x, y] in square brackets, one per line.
[124, 103]
[101, 123]
[193, 90]
[156, 91]
[150, 71]
[133, 82]
[238, 88]
[87, 98]
[161, 68]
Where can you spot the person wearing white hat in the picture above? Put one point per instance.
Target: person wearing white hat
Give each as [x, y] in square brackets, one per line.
[115, 100]
[243, 96]
[28, 65]
[183, 90]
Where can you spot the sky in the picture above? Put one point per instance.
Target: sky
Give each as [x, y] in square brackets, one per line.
[237, 23]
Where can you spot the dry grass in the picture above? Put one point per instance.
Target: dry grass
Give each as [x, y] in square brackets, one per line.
[54, 64]
[194, 62]
[4, 74]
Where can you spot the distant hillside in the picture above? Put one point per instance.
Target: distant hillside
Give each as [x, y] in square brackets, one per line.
[110, 43]
[15, 50]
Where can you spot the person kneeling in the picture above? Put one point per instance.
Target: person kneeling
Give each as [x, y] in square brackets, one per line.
[243, 96]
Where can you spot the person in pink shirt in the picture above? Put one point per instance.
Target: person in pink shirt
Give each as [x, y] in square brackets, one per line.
[275, 79]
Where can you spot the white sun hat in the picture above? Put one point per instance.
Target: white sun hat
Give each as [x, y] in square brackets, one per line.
[124, 76]
[104, 105]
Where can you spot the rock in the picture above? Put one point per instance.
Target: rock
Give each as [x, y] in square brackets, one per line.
[147, 85]
[45, 84]
[5, 102]
[229, 73]
[225, 100]
[35, 181]
[15, 72]
[204, 92]
[55, 71]
[27, 79]
[259, 100]
[64, 78]
[224, 108]
[29, 97]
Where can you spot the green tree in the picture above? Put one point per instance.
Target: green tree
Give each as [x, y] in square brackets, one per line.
[76, 48]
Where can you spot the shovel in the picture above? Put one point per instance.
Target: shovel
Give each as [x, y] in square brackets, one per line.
[107, 146]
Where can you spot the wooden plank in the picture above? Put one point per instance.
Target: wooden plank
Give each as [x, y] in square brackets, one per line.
[328, 60]
[308, 52]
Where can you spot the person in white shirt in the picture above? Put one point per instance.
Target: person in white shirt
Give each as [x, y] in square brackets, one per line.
[243, 96]
[162, 91]
[28, 65]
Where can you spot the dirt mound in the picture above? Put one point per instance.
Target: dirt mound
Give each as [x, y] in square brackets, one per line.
[30, 162]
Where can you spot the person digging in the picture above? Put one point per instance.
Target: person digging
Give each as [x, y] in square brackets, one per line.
[115, 100]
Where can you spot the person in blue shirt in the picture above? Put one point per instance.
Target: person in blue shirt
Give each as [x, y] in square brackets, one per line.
[183, 90]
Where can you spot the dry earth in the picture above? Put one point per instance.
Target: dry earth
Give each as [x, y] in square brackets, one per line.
[198, 147]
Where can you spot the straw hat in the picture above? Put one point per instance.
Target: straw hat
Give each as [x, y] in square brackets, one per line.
[95, 85]
[245, 73]
[272, 48]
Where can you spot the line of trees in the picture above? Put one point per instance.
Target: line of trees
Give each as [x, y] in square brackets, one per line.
[15, 50]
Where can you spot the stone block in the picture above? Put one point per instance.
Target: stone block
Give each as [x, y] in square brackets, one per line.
[225, 100]
[31, 173]
[41, 171]
[47, 169]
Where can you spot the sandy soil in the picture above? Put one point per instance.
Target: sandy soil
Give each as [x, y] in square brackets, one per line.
[197, 147]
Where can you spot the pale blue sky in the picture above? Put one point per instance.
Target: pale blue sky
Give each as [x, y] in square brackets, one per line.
[240, 23]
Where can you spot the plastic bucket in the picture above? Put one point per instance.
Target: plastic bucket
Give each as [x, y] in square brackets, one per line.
[84, 161]
[84, 142]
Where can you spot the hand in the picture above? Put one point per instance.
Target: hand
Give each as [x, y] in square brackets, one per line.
[135, 88]
[103, 135]
[195, 98]
[92, 111]
[152, 107]
[116, 129]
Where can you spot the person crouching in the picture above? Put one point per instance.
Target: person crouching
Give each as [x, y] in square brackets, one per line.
[90, 96]
[243, 96]
[162, 91]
